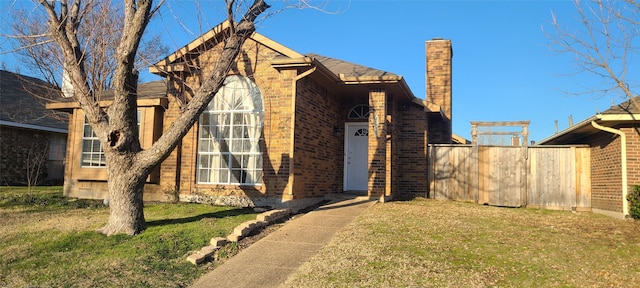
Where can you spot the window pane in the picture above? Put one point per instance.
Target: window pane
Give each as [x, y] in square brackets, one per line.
[224, 176]
[224, 163]
[224, 146]
[88, 132]
[205, 146]
[236, 161]
[236, 146]
[237, 132]
[258, 161]
[235, 176]
[203, 175]
[205, 132]
[96, 146]
[204, 119]
[86, 159]
[237, 119]
[204, 161]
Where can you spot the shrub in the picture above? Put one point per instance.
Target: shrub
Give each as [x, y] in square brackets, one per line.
[634, 199]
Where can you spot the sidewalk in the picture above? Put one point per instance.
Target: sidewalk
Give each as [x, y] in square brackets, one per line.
[268, 262]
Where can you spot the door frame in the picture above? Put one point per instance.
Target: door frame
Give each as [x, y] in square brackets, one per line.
[345, 174]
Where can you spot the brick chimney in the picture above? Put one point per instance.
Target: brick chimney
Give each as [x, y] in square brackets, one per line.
[439, 56]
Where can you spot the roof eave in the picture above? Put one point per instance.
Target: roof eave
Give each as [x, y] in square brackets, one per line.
[68, 106]
[32, 127]
[586, 125]
[568, 131]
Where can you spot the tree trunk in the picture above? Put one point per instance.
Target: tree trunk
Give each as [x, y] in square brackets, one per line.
[126, 186]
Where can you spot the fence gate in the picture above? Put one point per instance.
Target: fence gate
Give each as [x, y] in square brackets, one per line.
[554, 177]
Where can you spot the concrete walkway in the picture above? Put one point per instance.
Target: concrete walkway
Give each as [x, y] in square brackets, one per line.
[268, 262]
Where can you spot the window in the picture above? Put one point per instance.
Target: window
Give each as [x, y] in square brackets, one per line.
[361, 132]
[92, 152]
[360, 111]
[229, 135]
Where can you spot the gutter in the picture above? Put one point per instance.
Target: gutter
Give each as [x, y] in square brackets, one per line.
[33, 127]
[623, 148]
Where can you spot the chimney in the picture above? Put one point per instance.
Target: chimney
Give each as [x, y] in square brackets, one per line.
[439, 55]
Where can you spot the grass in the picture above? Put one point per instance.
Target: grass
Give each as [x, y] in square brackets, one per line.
[430, 243]
[49, 240]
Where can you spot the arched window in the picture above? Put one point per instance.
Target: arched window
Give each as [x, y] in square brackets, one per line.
[359, 111]
[229, 135]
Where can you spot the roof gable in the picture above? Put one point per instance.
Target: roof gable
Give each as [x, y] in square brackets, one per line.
[215, 36]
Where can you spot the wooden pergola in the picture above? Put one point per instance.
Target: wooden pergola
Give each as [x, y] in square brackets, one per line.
[523, 133]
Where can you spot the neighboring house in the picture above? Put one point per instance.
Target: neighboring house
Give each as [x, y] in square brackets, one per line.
[614, 138]
[32, 138]
[284, 131]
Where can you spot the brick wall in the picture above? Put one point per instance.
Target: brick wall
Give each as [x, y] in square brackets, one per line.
[18, 149]
[413, 153]
[606, 171]
[606, 168]
[276, 88]
[318, 151]
[633, 154]
[438, 85]
[378, 164]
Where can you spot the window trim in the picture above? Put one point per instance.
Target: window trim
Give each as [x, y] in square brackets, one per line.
[223, 113]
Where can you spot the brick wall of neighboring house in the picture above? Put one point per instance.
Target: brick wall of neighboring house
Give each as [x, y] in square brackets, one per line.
[633, 154]
[606, 171]
[22, 152]
[606, 168]
[318, 151]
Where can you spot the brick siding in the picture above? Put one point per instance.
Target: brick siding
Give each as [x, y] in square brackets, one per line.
[606, 168]
[16, 147]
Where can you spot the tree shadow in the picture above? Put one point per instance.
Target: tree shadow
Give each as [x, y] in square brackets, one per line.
[219, 215]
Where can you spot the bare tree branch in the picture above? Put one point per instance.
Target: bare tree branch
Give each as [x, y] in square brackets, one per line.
[603, 43]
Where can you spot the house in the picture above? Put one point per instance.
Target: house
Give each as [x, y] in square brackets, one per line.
[614, 140]
[286, 129]
[32, 138]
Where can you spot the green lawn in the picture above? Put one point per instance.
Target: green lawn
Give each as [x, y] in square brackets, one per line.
[49, 240]
[430, 243]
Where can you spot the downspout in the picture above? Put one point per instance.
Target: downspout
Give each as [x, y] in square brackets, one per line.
[623, 148]
[293, 125]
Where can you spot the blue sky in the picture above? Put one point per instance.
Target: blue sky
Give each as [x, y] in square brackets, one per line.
[503, 67]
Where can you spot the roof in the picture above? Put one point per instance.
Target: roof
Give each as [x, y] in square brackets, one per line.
[173, 61]
[348, 69]
[149, 94]
[622, 114]
[22, 103]
[339, 71]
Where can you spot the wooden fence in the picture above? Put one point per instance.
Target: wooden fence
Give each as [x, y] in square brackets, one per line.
[550, 177]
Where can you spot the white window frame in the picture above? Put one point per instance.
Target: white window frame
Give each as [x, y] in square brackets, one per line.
[88, 136]
[229, 135]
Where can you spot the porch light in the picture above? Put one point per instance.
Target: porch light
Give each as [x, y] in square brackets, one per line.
[337, 130]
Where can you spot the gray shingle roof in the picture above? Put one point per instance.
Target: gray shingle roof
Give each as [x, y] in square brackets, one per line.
[23, 100]
[625, 107]
[348, 69]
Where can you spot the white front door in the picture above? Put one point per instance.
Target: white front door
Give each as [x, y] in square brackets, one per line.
[356, 150]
